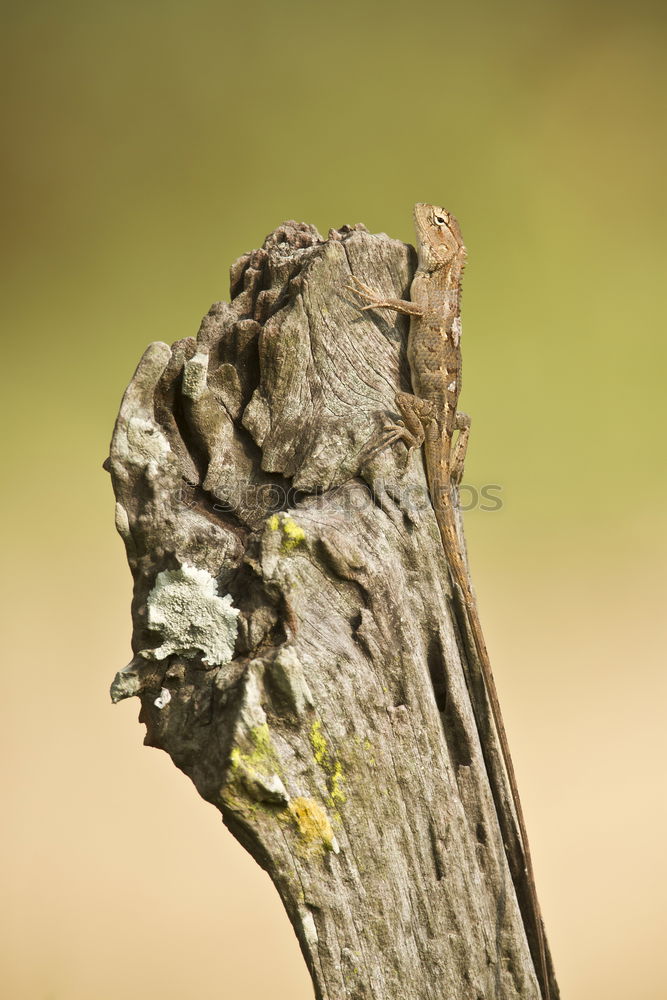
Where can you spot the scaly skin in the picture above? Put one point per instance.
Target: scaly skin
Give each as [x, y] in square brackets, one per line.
[431, 419]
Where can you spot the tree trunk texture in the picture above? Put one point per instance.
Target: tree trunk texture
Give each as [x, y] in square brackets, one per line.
[297, 648]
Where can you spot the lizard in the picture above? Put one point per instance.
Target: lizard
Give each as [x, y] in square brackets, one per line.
[431, 419]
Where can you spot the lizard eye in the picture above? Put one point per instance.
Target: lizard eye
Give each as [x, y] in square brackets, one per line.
[439, 221]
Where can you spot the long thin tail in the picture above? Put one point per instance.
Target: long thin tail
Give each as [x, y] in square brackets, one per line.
[524, 880]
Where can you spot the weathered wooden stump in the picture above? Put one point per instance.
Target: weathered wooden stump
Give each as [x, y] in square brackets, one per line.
[296, 646]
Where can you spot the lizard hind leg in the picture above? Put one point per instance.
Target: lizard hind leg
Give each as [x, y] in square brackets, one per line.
[409, 430]
[462, 425]
[416, 413]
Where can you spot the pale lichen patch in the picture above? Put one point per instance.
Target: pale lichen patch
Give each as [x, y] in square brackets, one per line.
[194, 376]
[185, 608]
[145, 444]
[309, 928]
[163, 698]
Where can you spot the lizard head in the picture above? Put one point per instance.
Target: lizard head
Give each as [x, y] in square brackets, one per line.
[438, 236]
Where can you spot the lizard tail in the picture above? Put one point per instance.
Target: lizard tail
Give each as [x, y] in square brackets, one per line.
[523, 875]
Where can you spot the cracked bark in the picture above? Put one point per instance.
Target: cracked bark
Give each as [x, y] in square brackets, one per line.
[296, 646]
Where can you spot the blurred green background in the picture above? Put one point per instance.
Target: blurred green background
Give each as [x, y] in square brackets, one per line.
[145, 146]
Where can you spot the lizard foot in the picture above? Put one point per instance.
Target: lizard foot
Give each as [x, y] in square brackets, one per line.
[390, 434]
[363, 291]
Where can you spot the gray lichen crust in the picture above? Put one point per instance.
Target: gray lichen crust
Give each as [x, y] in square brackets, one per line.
[293, 643]
[185, 609]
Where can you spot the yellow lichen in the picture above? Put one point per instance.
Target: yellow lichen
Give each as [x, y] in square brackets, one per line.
[293, 534]
[337, 795]
[254, 768]
[319, 743]
[261, 740]
[333, 768]
[236, 800]
[262, 757]
[312, 822]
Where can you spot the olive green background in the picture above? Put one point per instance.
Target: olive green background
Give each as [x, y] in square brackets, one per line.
[145, 146]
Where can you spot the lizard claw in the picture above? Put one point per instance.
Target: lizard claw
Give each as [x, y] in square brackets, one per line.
[361, 289]
[390, 434]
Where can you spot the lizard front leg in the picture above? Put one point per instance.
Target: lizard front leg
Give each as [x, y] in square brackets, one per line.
[374, 301]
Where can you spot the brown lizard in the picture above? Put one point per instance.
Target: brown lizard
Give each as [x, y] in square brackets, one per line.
[431, 419]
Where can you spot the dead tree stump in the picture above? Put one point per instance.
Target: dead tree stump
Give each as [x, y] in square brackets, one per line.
[296, 648]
